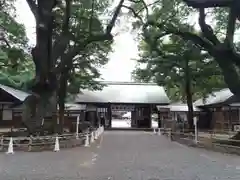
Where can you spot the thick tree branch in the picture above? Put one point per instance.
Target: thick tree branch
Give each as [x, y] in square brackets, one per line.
[208, 3]
[136, 15]
[91, 18]
[114, 18]
[67, 58]
[207, 29]
[232, 17]
[153, 42]
[198, 40]
[65, 27]
[107, 36]
[33, 7]
[212, 3]
[145, 6]
[63, 39]
[5, 41]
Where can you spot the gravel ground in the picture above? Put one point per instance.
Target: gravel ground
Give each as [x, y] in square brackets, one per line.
[122, 156]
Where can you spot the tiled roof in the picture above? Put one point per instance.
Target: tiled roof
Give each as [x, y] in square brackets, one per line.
[178, 107]
[215, 98]
[20, 95]
[132, 93]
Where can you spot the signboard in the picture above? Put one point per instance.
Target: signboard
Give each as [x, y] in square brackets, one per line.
[164, 109]
[122, 107]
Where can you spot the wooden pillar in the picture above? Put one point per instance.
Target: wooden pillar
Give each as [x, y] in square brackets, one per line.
[109, 110]
[103, 115]
[230, 128]
[150, 116]
[90, 116]
[146, 117]
[82, 115]
[137, 116]
[213, 123]
[133, 118]
[159, 120]
[106, 117]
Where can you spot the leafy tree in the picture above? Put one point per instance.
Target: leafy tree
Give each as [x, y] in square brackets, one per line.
[81, 71]
[181, 67]
[173, 17]
[15, 64]
[217, 39]
[211, 38]
[65, 31]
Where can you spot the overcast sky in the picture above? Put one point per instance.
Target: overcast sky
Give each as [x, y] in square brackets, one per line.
[119, 67]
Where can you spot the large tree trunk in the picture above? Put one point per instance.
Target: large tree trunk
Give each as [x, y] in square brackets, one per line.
[36, 108]
[229, 64]
[44, 88]
[62, 91]
[188, 95]
[61, 112]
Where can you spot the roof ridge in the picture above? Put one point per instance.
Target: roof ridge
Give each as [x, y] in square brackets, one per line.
[127, 83]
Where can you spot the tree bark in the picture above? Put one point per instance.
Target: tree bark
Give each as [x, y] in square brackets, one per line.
[42, 52]
[229, 69]
[43, 100]
[62, 91]
[35, 109]
[188, 95]
[208, 3]
[45, 85]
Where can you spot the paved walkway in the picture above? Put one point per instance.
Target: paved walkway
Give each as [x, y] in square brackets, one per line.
[126, 123]
[123, 156]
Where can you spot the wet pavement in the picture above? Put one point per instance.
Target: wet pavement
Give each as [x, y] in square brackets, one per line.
[122, 155]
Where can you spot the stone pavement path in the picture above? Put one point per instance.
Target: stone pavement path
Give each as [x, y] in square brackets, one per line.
[123, 156]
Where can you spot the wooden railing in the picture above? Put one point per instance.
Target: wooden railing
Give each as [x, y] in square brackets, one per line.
[214, 140]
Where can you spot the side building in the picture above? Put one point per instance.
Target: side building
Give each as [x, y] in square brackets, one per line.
[11, 108]
[221, 111]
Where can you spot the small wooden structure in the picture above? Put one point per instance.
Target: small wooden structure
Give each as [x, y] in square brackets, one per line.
[72, 111]
[10, 116]
[175, 113]
[11, 109]
[222, 110]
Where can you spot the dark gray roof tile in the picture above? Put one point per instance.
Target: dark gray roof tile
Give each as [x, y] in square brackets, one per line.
[132, 93]
[20, 95]
[215, 98]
